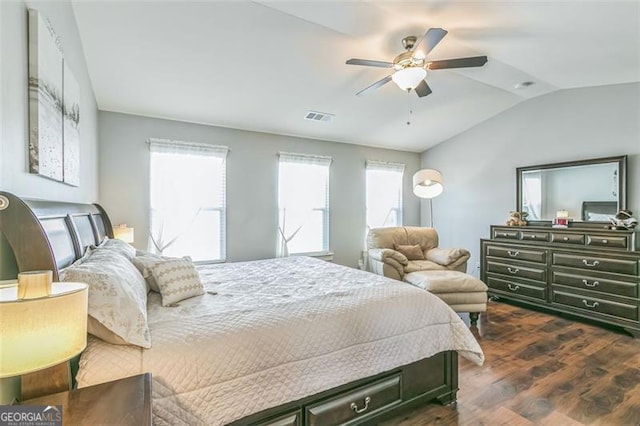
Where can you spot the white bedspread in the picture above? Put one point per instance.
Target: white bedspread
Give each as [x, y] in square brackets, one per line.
[277, 331]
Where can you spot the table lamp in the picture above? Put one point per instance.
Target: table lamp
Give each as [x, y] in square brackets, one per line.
[122, 232]
[40, 332]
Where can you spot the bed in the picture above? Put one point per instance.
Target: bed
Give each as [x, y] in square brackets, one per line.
[598, 211]
[282, 341]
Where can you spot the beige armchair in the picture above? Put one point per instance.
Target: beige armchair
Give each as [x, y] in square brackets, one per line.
[384, 246]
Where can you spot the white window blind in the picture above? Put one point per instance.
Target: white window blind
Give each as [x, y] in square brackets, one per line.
[384, 194]
[303, 203]
[188, 199]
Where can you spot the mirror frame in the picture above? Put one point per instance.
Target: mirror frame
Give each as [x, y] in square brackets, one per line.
[622, 185]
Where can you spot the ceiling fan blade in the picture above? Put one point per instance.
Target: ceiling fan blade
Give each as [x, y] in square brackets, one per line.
[422, 89]
[368, 63]
[429, 40]
[475, 61]
[374, 86]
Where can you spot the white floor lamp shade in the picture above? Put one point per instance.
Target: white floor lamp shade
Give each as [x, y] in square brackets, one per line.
[427, 183]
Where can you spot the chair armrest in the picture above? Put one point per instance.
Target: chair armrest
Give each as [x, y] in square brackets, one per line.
[448, 257]
[383, 255]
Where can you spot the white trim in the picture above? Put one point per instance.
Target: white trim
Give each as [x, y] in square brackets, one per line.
[292, 157]
[169, 145]
[384, 165]
[324, 255]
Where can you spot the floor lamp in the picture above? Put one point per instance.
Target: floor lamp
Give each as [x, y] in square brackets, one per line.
[427, 183]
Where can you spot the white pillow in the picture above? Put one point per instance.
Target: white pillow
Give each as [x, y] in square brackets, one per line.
[599, 217]
[119, 246]
[117, 297]
[177, 280]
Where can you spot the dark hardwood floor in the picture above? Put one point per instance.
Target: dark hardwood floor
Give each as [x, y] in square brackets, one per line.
[541, 369]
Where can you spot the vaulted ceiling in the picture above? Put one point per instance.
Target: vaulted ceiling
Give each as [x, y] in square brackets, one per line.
[262, 65]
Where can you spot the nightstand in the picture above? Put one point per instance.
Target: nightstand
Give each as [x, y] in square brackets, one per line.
[121, 402]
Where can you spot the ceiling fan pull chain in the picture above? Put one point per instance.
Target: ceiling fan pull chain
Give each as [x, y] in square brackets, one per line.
[409, 110]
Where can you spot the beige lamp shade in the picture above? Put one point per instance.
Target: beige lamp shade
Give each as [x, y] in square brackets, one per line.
[122, 232]
[41, 332]
[427, 183]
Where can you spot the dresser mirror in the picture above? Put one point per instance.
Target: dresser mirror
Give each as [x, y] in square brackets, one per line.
[584, 191]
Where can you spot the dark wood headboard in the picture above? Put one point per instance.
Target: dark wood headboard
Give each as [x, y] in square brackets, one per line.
[50, 235]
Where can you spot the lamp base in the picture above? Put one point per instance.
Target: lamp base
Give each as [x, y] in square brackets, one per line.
[45, 382]
[9, 390]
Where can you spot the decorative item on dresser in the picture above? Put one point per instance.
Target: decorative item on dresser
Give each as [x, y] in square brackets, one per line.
[587, 272]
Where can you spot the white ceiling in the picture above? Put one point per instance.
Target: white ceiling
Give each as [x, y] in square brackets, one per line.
[261, 65]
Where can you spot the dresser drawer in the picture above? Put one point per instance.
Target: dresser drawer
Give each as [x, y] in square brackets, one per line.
[596, 263]
[567, 238]
[517, 288]
[357, 404]
[604, 285]
[538, 256]
[534, 236]
[606, 241]
[593, 304]
[506, 234]
[538, 274]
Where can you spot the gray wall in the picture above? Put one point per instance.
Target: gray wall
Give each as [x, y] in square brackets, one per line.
[479, 165]
[252, 211]
[14, 109]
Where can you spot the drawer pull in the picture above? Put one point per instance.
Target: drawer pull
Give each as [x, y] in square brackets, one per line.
[513, 287]
[594, 264]
[533, 237]
[588, 305]
[512, 270]
[513, 253]
[593, 284]
[566, 238]
[357, 410]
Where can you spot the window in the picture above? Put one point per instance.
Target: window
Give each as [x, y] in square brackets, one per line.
[188, 200]
[303, 203]
[384, 194]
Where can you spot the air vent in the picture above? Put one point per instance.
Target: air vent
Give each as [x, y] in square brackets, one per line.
[319, 116]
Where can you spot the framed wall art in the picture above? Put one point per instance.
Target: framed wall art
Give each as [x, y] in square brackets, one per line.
[54, 106]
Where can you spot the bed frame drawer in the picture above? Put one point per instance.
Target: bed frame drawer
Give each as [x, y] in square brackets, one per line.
[289, 419]
[356, 405]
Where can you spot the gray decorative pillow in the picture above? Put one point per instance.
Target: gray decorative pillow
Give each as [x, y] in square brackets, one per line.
[117, 297]
[177, 280]
[119, 246]
[144, 260]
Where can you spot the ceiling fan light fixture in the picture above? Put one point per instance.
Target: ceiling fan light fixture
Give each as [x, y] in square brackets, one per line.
[409, 78]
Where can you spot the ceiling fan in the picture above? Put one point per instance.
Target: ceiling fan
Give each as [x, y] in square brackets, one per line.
[411, 66]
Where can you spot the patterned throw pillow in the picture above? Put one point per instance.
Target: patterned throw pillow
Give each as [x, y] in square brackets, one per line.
[412, 252]
[144, 260]
[177, 280]
[117, 297]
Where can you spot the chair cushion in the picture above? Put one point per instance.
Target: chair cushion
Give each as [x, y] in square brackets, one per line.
[422, 265]
[445, 281]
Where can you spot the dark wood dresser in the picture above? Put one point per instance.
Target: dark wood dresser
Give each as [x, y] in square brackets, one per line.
[590, 272]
